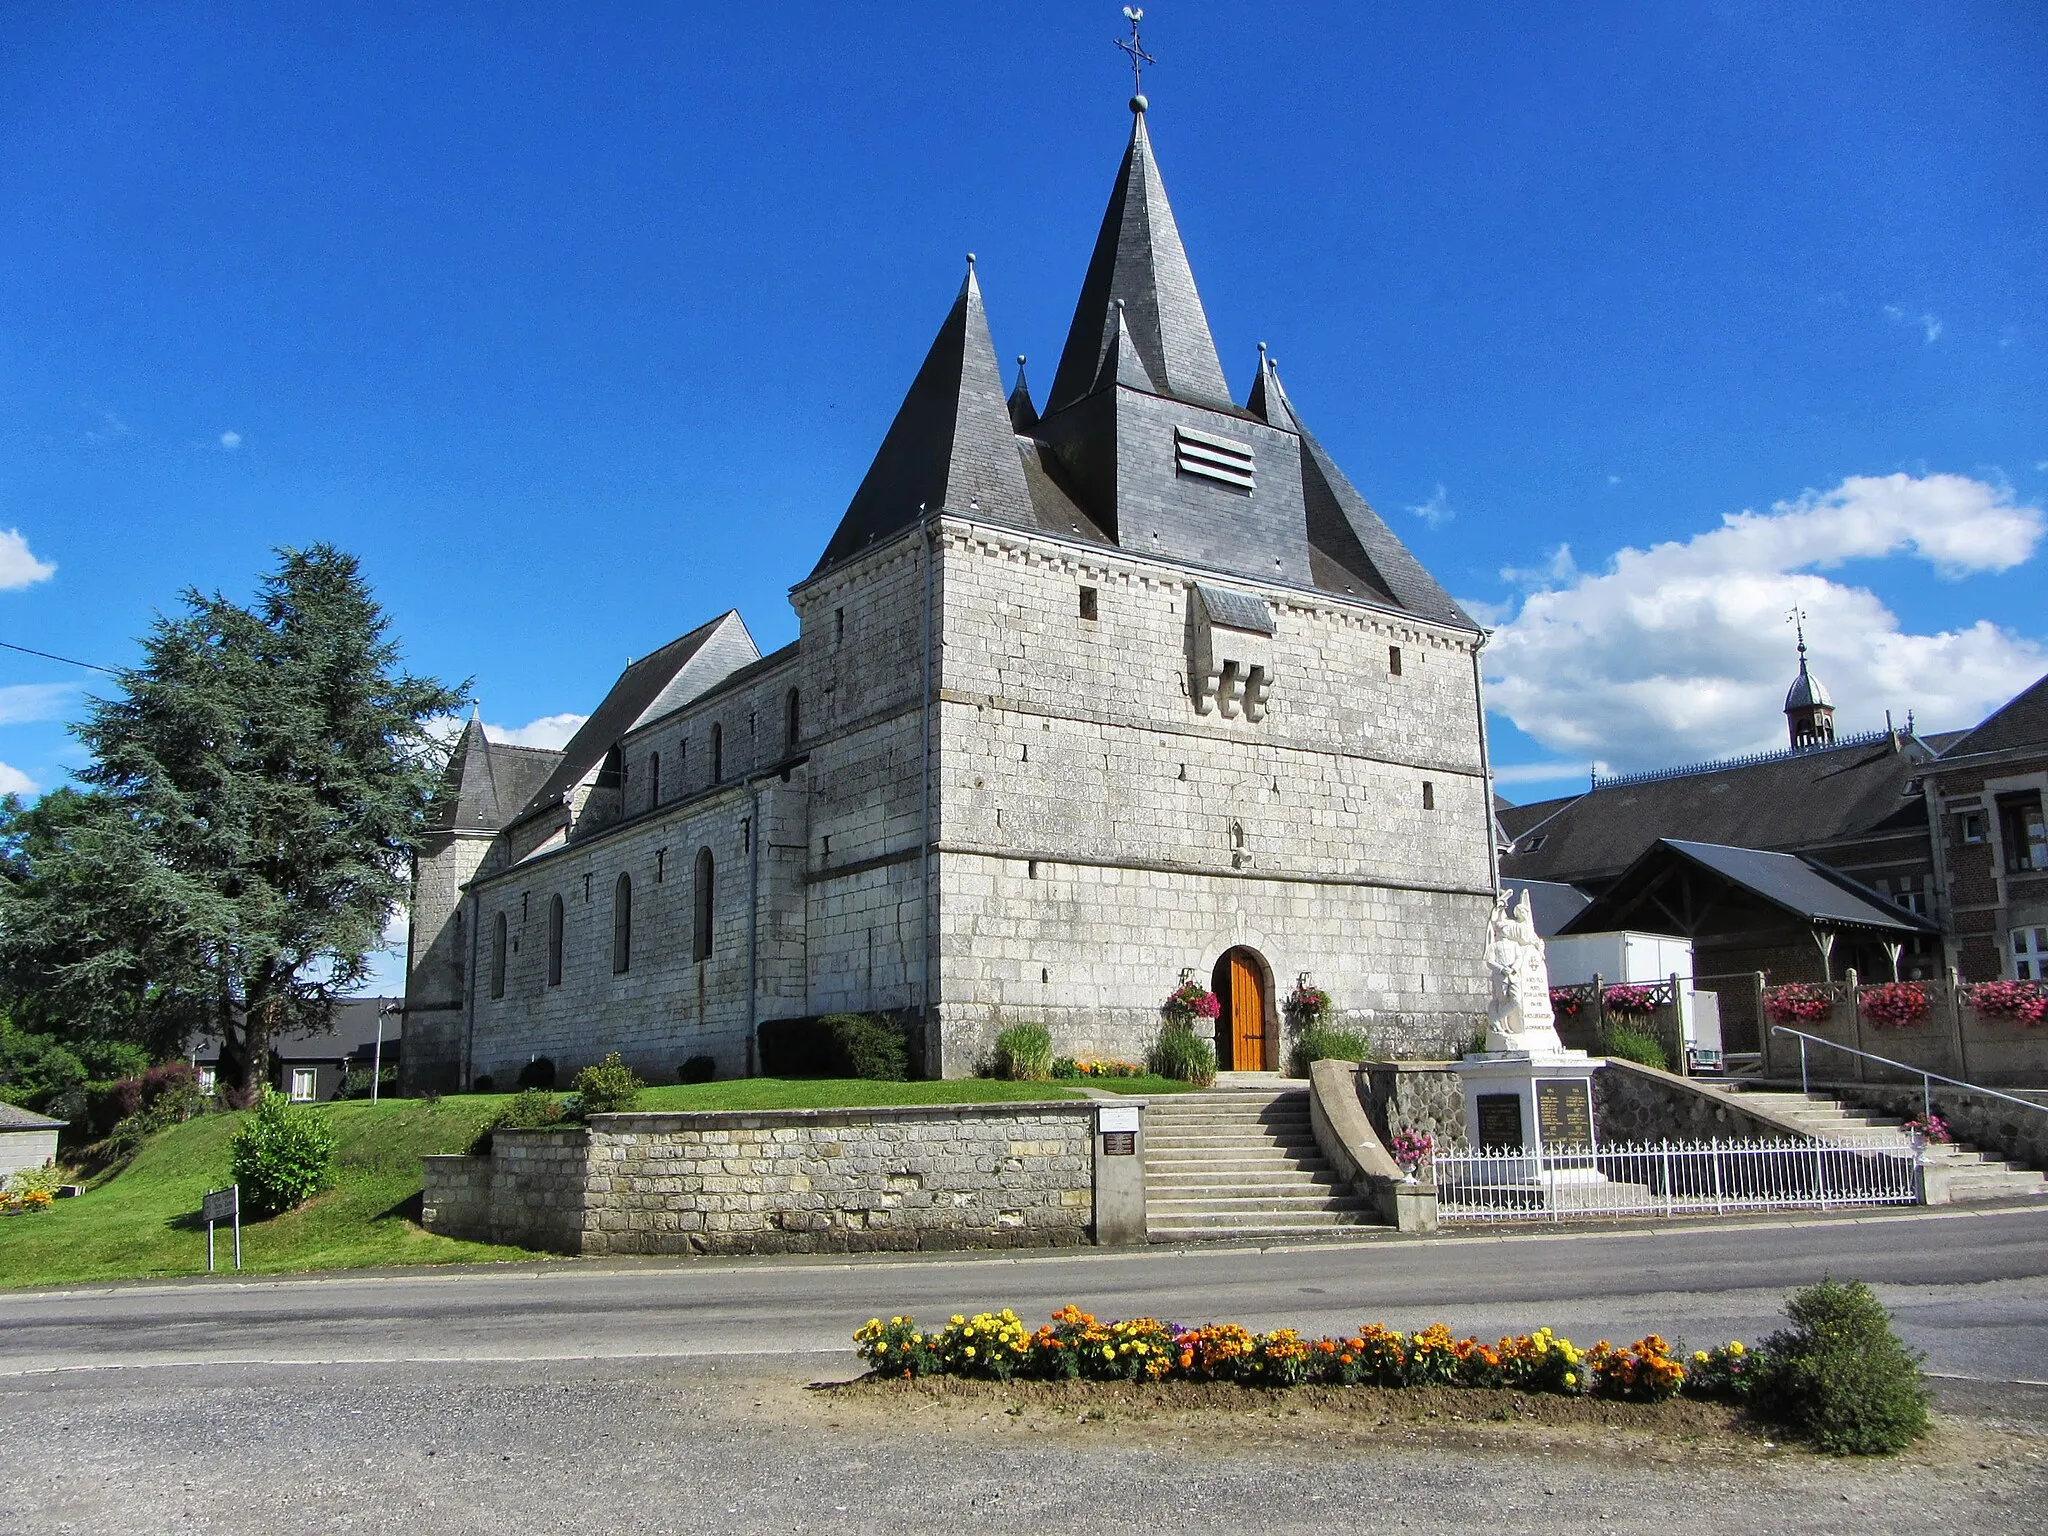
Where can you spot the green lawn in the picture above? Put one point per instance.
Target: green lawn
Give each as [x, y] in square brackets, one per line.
[140, 1224]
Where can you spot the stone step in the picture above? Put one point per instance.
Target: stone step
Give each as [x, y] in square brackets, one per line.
[1315, 1217]
[1244, 1157]
[1181, 1185]
[1236, 1115]
[1243, 1212]
[1160, 1141]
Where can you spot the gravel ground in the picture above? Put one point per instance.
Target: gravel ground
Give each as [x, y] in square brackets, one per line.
[746, 1444]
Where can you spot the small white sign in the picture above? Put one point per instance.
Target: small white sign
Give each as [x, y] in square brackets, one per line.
[1117, 1117]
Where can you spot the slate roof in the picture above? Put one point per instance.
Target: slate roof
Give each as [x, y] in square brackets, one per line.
[14, 1118]
[951, 447]
[351, 1027]
[1139, 259]
[2021, 721]
[1801, 887]
[487, 782]
[1236, 610]
[1800, 800]
[652, 686]
[1551, 904]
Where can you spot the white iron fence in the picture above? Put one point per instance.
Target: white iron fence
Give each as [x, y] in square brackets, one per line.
[1673, 1178]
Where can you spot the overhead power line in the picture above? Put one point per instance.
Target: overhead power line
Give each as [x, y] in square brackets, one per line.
[68, 661]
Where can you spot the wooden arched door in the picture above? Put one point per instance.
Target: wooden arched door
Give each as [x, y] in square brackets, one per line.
[1243, 1041]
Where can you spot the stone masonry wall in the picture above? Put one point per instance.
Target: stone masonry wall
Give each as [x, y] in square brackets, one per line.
[1977, 1120]
[1097, 835]
[791, 1181]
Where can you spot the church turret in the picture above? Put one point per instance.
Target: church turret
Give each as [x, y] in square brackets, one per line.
[1023, 414]
[1809, 712]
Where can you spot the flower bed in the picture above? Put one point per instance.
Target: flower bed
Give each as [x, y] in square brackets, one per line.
[1074, 1346]
[1799, 1002]
[2024, 1002]
[1067, 1069]
[1895, 1004]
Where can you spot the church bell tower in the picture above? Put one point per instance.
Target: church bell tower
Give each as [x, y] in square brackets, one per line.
[1809, 712]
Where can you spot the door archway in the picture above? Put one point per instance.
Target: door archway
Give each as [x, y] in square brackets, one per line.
[1246, 1040]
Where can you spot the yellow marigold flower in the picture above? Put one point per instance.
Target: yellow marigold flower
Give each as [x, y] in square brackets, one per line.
[1735, 1347]
[1700, 1355]
[1570, 1380]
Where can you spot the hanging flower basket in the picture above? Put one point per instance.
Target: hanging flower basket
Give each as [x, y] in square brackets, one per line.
[2024, 1002]
[1188, 1002]
[1411, 1149]
[1630, 1001]
[1799, 1002]
[1566, 1002]
[1307, 1005]
[1895, 1004]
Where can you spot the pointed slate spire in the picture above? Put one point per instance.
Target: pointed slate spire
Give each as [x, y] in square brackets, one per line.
[1139, 259]
[1023, 414]
[1268, 400]
[1121, 364]
[951, 446]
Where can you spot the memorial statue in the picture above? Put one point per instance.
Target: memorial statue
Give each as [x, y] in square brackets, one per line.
[1520, 1017]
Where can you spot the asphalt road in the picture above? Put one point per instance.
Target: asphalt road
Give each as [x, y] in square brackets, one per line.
[1970, 1287]
[680, 1398]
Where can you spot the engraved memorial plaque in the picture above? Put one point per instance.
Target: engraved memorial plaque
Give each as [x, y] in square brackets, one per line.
[1119, 1143]
[1564, 1111]
[1500, 1120]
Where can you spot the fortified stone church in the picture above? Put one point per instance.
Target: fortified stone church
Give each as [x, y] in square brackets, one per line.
[1084, 696]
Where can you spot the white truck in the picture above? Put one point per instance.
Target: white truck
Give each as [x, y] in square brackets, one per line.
[1643, 959]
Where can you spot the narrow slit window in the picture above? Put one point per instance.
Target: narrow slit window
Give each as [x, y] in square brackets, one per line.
[793, 719]
[1394, 661]
[622, 925]
[1428, 795]
[700, 928]
[498, 956]
[554, 941]
[1090, 604]
[717, 753]
[653, 780]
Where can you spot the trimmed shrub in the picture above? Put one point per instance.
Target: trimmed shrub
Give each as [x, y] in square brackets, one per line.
[1024, 1053]
[531, 1109]
[1321, 1042]
[538, 1073]
[355, 1083]
[698, 1069]
[1184, 1056]
[869, 1047]
[608, 1088]
[283, 1155]
[1841, 1376]
[1634, 1045]
[485, 1083]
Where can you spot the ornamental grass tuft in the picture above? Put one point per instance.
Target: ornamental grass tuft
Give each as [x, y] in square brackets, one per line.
[1024, 1053]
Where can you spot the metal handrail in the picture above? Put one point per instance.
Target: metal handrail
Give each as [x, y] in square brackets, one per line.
[1926, 1086]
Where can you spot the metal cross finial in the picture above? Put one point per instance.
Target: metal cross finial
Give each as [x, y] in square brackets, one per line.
[1797, 619]
[1138, 56]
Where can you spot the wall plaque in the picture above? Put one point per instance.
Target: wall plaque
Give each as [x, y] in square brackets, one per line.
[1500, 1120]
[1564, 1111]
[1119, 1143]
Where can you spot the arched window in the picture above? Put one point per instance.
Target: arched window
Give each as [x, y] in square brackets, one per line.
[653, 780]
[717, 753]
[700, 929]
[498, 956]
[622, 926]
[554, 941]
[795, 719]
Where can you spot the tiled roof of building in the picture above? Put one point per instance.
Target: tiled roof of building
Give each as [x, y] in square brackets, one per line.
[1795, 885]
[657, 683]
[952, 446]
[487, 782]
[1788, 800]
[1139, 259]
[2020, 722]
[14, 1118]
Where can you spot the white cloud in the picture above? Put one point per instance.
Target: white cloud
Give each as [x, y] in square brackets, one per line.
[1543, 773]
[14, 782]
[19, 568]
[26, 703]
[231, 440]
[1560, 567]
[552, 731]
[1437, 510]
[1930, 325]
[1681, 651]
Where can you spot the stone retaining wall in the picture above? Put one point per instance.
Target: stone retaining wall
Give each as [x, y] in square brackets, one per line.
[786, 1181]
[1413, 1096]
[1977, 1120]
[1635, 1103]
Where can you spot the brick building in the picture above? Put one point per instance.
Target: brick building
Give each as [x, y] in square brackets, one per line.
[1082, 697]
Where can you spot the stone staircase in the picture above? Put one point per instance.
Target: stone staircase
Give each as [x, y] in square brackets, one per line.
[1976, 1177]
[1240, 1161]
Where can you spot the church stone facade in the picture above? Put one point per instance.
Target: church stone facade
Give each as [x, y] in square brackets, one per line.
[1082, 698]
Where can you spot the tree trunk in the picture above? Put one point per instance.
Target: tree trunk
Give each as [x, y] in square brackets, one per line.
[259, 1022]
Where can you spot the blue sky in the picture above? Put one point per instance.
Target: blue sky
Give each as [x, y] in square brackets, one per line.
[580, 324]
